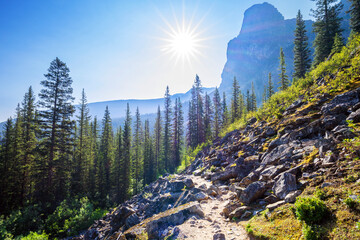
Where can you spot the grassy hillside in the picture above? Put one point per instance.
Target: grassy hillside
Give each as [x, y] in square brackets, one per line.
[336, 203]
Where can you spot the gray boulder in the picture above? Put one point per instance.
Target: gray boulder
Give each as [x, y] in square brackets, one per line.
[285, 184]
[354, 116]
[172, 217]
[252, 192]
[281, 152]
[237, 213]
[219, 236]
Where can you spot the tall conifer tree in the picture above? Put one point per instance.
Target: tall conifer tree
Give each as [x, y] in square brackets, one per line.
[126, 157]
[217, 113]
[158, 142]
[326, 26]
[167, 129]
[235, 100]
[302, 60]
[355, 15]
[137, 159]
[177, 133]
[208, 118]
[270, 90]
[106, 155]
[283, 77]
[56, 128]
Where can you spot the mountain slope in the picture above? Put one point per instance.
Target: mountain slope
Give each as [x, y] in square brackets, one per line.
[303, 138]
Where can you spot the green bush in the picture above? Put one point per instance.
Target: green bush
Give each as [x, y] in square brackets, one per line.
[351, 203]
[320, 194]
[310, 210]
[249, 229]
[4, 234]
[72, 216]
[35, 236]
[21, 222]
[313, 232]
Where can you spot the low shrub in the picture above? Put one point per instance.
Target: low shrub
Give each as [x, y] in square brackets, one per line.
[351, 203]
[312, 232]
[310, 210]
[320, 194]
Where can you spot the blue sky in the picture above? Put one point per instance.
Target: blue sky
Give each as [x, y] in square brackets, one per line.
[114, 47]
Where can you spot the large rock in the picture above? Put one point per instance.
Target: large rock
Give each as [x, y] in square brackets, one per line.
[172, 217]
[354, 116]
[275, 205]
[341, 102]
[219, 236]
[188, 183]
[281, 152]
[285, 184]
[120, 216]
[237, 213]
[224, 176]
[252, 192]
[291, 197]
[231, 206]
[271, 172]
[177, 186]
[132, 220]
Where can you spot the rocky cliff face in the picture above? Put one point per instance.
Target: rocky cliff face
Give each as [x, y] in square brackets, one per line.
[254, 53]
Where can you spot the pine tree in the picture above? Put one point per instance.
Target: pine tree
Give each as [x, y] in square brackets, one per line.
[208, 118]
[235, 101]
[94, 152]
[106, 155]
[302, 60]
[248, 101]
[15, 164]
[195, 129]
[338, 44]
[158, 142]
[264, 95]
[355, 15]
[217, 113]
[56, 132]
[253, 98]
[326, 26]
[30, 143]
[167, 129]
[270, 90]
[149, 169]
[178, 133]
[192, 126]
[225, 113]
[284, 81]
[126, 157]
[82, 158]
[6, 156]
[137, 159]
[199, 110]
[242, 105]
[117, 167]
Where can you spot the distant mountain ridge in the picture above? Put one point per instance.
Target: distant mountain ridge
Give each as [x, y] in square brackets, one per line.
[146, 106]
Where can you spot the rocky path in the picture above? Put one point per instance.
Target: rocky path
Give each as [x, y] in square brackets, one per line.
[214, 225]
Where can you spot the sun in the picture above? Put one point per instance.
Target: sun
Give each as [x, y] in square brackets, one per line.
[183, 42]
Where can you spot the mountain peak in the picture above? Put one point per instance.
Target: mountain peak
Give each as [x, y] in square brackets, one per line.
[260, 16]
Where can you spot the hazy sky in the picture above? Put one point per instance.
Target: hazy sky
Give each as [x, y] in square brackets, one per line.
[114, 47]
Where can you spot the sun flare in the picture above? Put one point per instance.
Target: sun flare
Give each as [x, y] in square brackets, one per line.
[183, 42]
